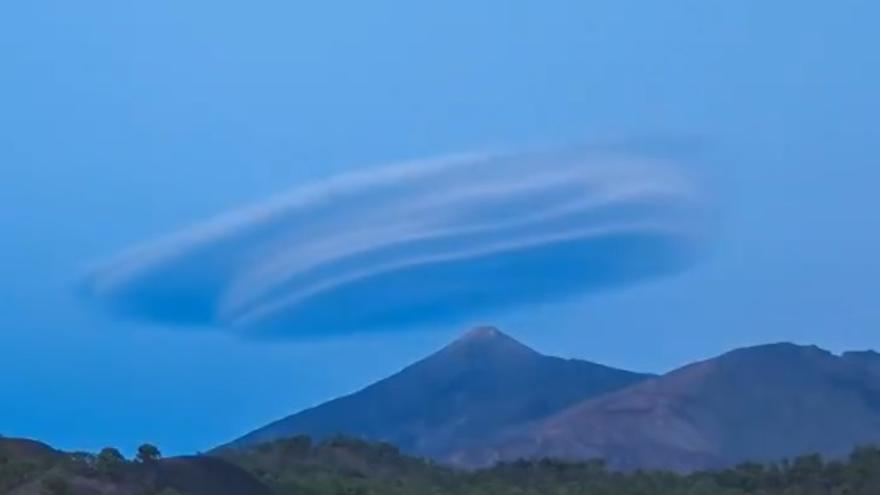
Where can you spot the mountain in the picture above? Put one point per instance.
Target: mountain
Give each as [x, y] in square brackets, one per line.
[478, 386]
[760, 403]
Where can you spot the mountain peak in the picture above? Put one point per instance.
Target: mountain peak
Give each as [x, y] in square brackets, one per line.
[480, 385]
[483, 333]
[777, 351]
[489, 339]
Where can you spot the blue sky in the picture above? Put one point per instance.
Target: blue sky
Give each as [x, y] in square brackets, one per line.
[122, 121]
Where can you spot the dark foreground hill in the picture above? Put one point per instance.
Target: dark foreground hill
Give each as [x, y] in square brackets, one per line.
[758, 404]
[32, 468]
[478, 386]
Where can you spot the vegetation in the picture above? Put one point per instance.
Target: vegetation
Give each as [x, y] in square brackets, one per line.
[29, 467]
[148, 453]
[344, 466]
[110, 463]
[351, 467]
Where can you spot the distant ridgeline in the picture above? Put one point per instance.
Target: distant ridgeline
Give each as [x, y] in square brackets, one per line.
[297, 466]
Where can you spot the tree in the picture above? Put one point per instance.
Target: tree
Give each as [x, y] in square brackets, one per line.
[109, 462]
[148, 453]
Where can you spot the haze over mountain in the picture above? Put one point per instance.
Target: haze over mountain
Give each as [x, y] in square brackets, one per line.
[478, 386]
[488, 398]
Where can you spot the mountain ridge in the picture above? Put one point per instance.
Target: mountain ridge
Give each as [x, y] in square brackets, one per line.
[756, 403]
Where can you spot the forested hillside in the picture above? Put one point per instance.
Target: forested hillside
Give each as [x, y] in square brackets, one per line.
[344, 466]
[351, 467]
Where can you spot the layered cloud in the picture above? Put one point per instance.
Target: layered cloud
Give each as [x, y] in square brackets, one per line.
[396, 247]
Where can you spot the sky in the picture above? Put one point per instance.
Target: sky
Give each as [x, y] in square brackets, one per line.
[121, 122]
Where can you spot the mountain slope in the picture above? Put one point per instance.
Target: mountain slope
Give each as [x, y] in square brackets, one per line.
[759, 403]
[205, 475]
[481, 384]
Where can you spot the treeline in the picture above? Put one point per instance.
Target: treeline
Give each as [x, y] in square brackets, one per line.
[344, 466]
[30, 467]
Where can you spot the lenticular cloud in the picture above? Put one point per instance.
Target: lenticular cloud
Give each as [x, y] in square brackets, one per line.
[417, 243]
